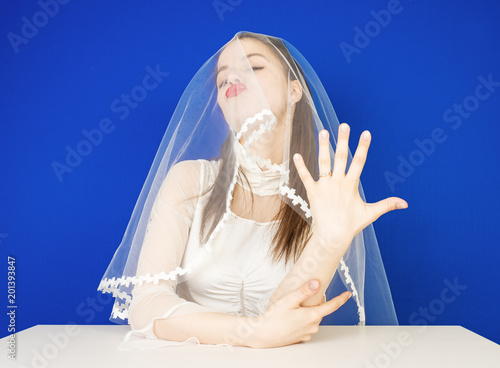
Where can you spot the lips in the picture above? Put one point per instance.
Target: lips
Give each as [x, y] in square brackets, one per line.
[235, 89]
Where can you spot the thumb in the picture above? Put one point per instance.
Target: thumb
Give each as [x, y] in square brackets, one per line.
[379, 208]
[305, 291]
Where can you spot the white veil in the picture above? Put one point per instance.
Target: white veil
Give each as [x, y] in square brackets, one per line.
[249, 134]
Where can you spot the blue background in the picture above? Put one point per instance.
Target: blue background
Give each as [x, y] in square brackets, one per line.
[63, 231]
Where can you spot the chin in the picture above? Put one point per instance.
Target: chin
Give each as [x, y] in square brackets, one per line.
[236, 117]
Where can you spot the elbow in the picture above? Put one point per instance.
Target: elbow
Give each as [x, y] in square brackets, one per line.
[137, 318]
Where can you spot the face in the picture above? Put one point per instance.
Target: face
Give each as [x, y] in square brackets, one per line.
[250, 78]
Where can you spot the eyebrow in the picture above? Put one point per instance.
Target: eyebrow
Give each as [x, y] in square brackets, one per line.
[247, 56]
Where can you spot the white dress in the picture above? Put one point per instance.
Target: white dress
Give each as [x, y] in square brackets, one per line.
[238, 279]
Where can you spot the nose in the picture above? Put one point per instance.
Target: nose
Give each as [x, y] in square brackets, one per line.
[233, 77]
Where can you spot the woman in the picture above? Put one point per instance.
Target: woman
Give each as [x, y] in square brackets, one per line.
[227, 232]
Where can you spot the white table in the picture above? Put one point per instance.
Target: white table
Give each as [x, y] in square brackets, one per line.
[333, 346]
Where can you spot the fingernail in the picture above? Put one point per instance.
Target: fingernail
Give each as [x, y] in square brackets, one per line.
[350, 294]
[313, 284]
[401, 205]
[296, 157]
[366, 135]
[324, 134]
[343, 127]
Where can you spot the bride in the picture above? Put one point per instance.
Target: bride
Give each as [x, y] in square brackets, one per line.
[243, 234]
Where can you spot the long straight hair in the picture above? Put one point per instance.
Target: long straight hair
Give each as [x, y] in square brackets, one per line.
[292, 232]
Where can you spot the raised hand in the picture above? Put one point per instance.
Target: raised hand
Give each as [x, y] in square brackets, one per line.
[338, 211]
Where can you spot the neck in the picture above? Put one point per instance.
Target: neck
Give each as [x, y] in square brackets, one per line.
[271, 147]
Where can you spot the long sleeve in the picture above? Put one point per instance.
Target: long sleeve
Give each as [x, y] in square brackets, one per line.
[163, 248]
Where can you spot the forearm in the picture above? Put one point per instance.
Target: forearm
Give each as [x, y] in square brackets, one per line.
[318, 260]
[209, 328]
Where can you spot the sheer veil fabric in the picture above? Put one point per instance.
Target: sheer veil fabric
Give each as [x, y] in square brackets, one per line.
[227, 152]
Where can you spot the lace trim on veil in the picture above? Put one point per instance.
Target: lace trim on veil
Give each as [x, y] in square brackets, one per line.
[267, 122]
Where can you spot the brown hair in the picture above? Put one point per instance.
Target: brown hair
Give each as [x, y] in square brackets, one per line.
[293, 231]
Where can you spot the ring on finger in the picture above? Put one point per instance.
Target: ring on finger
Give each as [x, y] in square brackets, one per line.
[325, 174]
